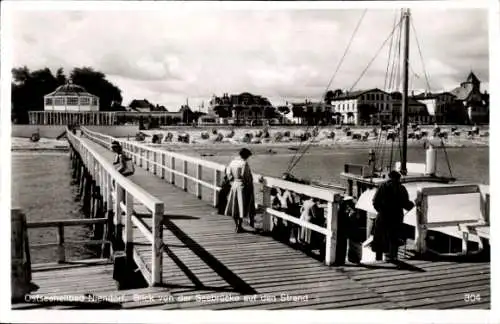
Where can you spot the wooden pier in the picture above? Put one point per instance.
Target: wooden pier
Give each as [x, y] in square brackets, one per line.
[191, 258]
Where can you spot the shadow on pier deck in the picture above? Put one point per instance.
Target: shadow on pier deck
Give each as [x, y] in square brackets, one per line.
[207, 265]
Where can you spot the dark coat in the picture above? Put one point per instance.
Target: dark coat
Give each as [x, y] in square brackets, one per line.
[389, 201]
[222, 197]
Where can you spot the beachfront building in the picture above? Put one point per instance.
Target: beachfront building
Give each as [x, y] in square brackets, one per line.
[148, 115]
[475, 103]
[362, 107]
[438, 105]
[310, 113]
[241, 109]
[418, 112]
[71, 104]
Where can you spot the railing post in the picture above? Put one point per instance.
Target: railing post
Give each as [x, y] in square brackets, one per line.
[163, 162]
[485, 206]
[331, 226]
[61, 253]
[172, 169]
[465, 239]
[216, 183]
[157, 246]
[141, 157]
[129, 237]
[421, 224]
[134, 149]
[199, 175]
[147, 160]
[20, 257]
[266, 203]
[118, 212]
[154, 163]
[184, 172]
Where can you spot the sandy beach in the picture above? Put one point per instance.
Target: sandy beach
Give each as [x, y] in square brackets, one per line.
[288, 140]
[281, 140]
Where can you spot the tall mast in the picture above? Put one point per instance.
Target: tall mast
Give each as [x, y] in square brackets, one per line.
[404, 116]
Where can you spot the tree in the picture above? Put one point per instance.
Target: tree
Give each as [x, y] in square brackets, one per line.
[222, 111]
[284, 110]
[298, 111]
[60, 77]
[95, 82]
[365, 111]
[269, 112]
[28, 89]
[329, 95]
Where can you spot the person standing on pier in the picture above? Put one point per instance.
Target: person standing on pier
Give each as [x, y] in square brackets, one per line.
[389, 201]
[241, 199]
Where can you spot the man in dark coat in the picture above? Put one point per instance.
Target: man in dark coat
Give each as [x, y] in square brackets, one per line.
[389, 201]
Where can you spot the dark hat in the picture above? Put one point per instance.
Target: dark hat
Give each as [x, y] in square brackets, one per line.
[245, 153]
[115, 143]
[395, 175]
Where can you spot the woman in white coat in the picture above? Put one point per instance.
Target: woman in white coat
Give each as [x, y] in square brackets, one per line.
[241, 199]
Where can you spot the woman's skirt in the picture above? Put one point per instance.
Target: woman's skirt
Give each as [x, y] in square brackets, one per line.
[240, 201]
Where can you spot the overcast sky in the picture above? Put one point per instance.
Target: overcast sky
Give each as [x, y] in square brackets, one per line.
[168, 56]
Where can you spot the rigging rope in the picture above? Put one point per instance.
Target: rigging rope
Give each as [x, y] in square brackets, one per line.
[346, 50]
[421, 56]
[373, 59]
[390, 52]
[296, 157]
[446, 156]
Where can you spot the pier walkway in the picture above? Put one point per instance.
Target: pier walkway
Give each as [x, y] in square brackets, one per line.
[207, 265]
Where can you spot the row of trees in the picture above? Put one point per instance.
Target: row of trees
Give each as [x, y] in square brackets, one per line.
[29, 88]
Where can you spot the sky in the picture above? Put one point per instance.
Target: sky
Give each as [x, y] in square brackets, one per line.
[170, 56]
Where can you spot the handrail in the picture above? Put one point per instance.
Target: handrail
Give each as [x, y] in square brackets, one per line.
[61, 242]
[120, 193]
[140, 194]
[66, 222]
[149, 157]
[423, 224]
[312, 191]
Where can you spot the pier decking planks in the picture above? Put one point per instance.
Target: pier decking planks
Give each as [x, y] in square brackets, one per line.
[205, 258]
[196, 237]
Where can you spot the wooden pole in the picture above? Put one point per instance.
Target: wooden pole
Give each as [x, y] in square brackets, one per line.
[331, 225]
[216, 183]
[266, 203]
[199, 175]
[60, 246]
[20, 257]
[421, 224]
[157, 246]
[163, 164]
[172, 167]
[184, 172]
[129, 234]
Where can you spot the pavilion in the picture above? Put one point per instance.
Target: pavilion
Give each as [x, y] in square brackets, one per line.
[71, 104]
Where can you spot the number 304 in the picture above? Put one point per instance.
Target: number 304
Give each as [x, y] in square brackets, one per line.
[472, 298]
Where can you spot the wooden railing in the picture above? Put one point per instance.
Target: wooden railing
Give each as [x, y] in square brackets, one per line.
[120, 194]
[61, 241]
[423, 224]
[165, 165]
